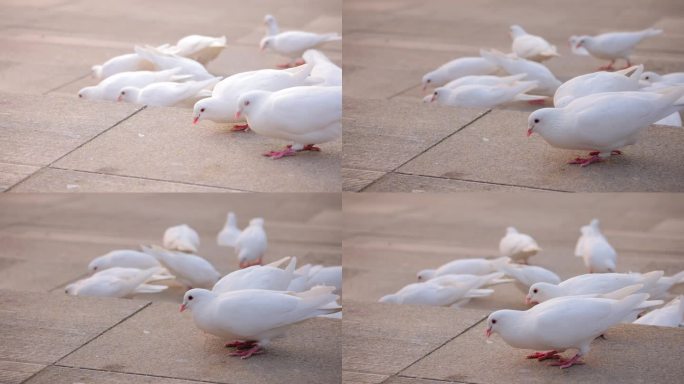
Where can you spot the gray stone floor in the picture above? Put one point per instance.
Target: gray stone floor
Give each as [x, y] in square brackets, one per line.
[394, 143]
[52, 142]
[49, 337]
[390, 237]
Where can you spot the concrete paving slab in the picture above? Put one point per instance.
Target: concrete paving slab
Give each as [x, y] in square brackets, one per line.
[38, 330]
[38, 131]
[10, 174]
[66, 375]
[630, 354]
[13, 372]
[400, 182]
[374, 342]
[349, 377]
[309, 353]
[355, 180]
[209, 156]
[376, 83]
[495, 149]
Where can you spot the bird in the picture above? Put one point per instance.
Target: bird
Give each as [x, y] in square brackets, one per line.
[286, 115]
[561, 324]
[435, 294]
[603, 122]
[330, 276]
[484, 96]
[597, 253]
[671, 315]
[271, 25]
[164, 60]
[484, 80]
[592, 283]
[116, 282]
[293, 43]
[597, 82]
[167, 94]
[518, 246]
[614, 45]
[128, 62]
[268, 277]
[464, 266]
[181, 238]
[547, 82]
[190, 270]
[323, 68]
[527, 275]
[202, 49]
[531, 47]
[255, 316]
[110, 88]
[457, 68]
[124, 258]
[222, 105]
[671, 78]
[251, 244]
[230, 232]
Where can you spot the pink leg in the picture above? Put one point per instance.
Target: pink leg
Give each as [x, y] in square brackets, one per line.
[614, 152]
[541, 356]
[583, 162]
[608, 67]
[287, 151]
[537, 102]
[299, 62]
[241, 344]
[284, 66]
[240, 128]
[311, 147]
[567, 363]
[628, 64]
[247, 353]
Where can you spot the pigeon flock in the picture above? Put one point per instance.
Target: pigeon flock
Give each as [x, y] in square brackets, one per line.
[600, 112]
[253, 304]
[566, 314]
[275, 103]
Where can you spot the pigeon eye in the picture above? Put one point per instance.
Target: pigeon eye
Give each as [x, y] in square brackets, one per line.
[189, 297]
[79, 95]
[435, 93]
[95, 268]
[493, 321]
[123, 92]
[648, 77]
[66, 291]
[535, 290]
[202, 110]
[429, 81]
[536, 120]
[246, 102]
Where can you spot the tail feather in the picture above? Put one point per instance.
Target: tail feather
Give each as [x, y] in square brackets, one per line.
[479, 293]
[650, 279]
[622, 292]
[652, 31]
[150, 288]
[278, 263]
[332, 37]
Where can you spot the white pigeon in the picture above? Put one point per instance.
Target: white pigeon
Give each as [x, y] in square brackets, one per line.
[597, 82]
[251, 244]
[662, 287]
[167, 61]
[527, 275]
[597, 253]
[579, 51]
[484, 96]
[129, 62]
[487, 280]
[190, 270]
[167, 94]
[435, 294]
[592, 283]
[258, 277]
[287, 115]
[464, 267]
[547, 82]
[323, 68]
[484, 80]
[328, 276]
[202, 49]
[124, 258]
[255, 316]
[670, 78]
[561, 324]
[181, 238]
[110, 88]
[518, 246]
[454, 69]
[271, 25]
[222, 106]
[603, 122]
[671, 315]
[111, 283]
[531, 47]
[614, 45]
[230, 232]
[292, 44]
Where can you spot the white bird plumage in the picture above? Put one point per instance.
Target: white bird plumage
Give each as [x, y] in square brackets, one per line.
[527, 275]
[614, 45]
[202, 49]
[110, 88]
[164, 60]
[251, 244]
[258, 277]
[531, 47]
[547, 82]
[597, 82]
[190, 270]
[116, 282]
[484, 96]
[464, 266]
[167, 94]
[230, 232]
[597, 253]
[128, 62]
[518, 246]
[671, 315]
[454, 69]
[181, 238]
[124, 258]
[292, 44]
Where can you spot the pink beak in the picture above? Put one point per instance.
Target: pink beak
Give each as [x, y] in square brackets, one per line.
[529, 132]
[119, 98]
[433, 98]
[182, 307]
[488, 332]
[237, 114]
[195, 120]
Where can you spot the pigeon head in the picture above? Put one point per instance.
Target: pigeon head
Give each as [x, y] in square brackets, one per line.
[517, 30]
[426, 274]
[498, 320]
[542, 121]
[97, 71]
[511, 230]
[581, 41]
[193, 297]
[265, 42]
[98, 264]
[247, 101]
[129, 94]
[269, 19]
[429, 80]
[393, 298]
[89, 93]
[70, 289]
[540, 292]
[208, 109]
[257, 221]
[650, 77]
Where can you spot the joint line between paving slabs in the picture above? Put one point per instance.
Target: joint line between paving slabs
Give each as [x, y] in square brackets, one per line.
[140, 374]
[65, 84]
[484, 182]
[400, 92]
[428, 148]
[431, 379]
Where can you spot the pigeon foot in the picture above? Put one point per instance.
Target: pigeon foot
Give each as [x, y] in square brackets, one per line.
[240, 128]
[567, 363]
[247, 353]
[239, 344]
[607, 67]
[541, 356]
[311, 147]
[288, 151]
[583, 162]
[245, 264]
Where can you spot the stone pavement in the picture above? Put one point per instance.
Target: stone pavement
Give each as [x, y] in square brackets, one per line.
[394, 143]
[390, 237]
[53, 142]
[49, 337]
